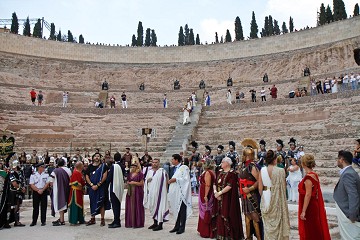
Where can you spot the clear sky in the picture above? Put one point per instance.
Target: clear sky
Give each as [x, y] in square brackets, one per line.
[115, 21]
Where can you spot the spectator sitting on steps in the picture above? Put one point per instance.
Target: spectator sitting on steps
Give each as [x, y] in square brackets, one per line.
[99, 104]
[105, 85]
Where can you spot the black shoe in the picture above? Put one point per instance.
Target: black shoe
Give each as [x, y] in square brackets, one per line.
[32, 224]
[7, 226]
[53, 222]
[58, 223]
[19, 224]
[158, 228]
[114, 225]
[153, 226]
[43, 224]
[174, 230]
[180, 231]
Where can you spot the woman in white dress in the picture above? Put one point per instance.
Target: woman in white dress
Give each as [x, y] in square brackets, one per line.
[229, 97]
[293, 180]
[334, 84]
[274, 208]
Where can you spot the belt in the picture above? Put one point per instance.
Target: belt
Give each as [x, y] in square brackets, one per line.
[76, 187]
[265, 188]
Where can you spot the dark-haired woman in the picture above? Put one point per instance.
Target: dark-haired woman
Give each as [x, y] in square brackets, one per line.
[356, 159]
[274, 208]
[312, 215]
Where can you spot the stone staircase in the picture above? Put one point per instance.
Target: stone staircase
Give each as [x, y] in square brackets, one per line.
[103, 97]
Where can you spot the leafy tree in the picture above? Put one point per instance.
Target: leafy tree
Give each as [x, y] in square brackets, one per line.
[59, 37]
[216, 38]
[291, 24]
[253, 27]
[26, 31]
[322, 15]
[276, 28]
[133, 41]
[187, 34]
[181, 39]
[52, 32]
[70, 37]
[37, 29]
[271, 26]
[191, 37]
[197, 41]
[339, 10]
[239, 35]
[14, 24]
[284, 28]
[81, 39]
[329, 15]
[356, 10]
[153, 38]
[265, 31]
[227, 36]
[140, 35]
[147, 38]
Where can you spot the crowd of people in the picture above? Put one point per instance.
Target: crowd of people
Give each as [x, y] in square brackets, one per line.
[255, 186]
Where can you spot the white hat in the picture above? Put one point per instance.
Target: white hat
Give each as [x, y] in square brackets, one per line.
[52, 159]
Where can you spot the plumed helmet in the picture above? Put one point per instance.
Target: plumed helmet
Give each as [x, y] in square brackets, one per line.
[280, 142]
[221, 147]
[292, 141]
[194, 144]
[232, 144]
[207, 148]
[262, 142]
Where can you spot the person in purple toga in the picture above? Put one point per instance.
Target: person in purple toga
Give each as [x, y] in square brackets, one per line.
[60, 179]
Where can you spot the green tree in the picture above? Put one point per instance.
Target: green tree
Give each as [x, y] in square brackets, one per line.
[271, 26]
[322, 15]
[291, 24]
[59, 37]
[187, 34]
[339, 10]
[253, 27]
[329, 14]
[239, 35]
[26, 31]
[140, 35]
[284, 28]
[37, 29]
[222, 39]
[181, 39]
[81, 39]
[216, 38]
[356, 10]
[70, 37]
[153, 38]
[133, 41]
[197, 41]
[191, 37]
[14, 24]
[276, 28]
[265, 31]
[227, 36]
[52, 32]
[147, 38]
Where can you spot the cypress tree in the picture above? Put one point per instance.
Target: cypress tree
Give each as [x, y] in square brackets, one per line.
[26, 31]
[70, 37]
[140, 35]
[253, 27]
[37, 29]
[227, 36]
[276, 28]
[14, 24]
[147, 38]
[271, 26]
[265, 31]
[52, 32]
[222, 39]
[356, 10]
[239, 35]
[284, 28]
[343, 14]
[197, 42]
[339, 10]
[216, 38]
[181, 39]
[133, 41]
[187, 34]
[191, 37]
[291, 24]
[322, 15]
[153, 38]
[59, 37]
[81, 39]
[329, 15]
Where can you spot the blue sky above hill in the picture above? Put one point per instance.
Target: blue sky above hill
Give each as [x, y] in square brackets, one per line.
[114, 21]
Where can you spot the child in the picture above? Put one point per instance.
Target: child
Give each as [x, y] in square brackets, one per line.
[193, 178]
[293, 180]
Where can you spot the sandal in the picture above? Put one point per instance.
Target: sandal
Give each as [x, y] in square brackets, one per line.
[91, 222]
[102, 223]
[58, 223]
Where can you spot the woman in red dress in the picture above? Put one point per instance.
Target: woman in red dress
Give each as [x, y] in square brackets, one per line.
[207, 222]
[312, 215]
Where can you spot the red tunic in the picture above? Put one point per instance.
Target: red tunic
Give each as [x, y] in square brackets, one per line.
[207, 230]
[315, 227]
[77, 183]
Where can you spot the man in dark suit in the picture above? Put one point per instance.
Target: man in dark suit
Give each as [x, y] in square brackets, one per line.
[347, 197]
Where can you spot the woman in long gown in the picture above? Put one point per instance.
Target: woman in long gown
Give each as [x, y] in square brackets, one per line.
[273, 205]
[293, 180]
[206, 202]
[312, 215]
[334, 84]
[228, 213]
[134, 208]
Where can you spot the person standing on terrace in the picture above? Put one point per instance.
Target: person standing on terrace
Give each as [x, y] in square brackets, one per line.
[33, 96]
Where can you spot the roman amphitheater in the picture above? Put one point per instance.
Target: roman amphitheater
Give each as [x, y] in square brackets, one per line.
[324, 124]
